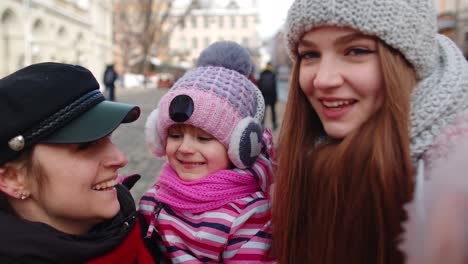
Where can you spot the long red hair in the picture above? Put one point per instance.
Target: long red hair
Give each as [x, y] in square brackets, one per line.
[340, 201]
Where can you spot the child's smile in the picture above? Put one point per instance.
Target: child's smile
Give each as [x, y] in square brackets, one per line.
[193, 153]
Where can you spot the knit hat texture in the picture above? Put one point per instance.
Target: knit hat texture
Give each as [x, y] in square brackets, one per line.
[216, 96]
[409, 26]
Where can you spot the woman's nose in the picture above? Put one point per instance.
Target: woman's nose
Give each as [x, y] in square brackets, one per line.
[328, 74]
[115, 157]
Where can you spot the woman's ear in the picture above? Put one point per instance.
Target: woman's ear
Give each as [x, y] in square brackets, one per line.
[12, 180]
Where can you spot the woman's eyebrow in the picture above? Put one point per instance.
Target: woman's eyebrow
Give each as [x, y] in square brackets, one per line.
[305, 43]
[351, 37]
[341, 40]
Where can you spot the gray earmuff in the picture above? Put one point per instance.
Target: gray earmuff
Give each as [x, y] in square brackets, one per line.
[246, 143]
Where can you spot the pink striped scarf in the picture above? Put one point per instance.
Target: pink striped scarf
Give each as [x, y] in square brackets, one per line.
[207, 193]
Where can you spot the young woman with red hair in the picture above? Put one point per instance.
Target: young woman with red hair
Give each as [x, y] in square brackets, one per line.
[376, 118]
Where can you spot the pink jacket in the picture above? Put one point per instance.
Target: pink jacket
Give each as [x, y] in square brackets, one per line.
[238, 231]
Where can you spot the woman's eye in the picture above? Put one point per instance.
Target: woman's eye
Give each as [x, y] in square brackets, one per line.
[309, 55]
[86, 145]
[359, 51]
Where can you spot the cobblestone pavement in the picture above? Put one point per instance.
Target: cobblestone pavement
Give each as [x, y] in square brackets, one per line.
[130, 137]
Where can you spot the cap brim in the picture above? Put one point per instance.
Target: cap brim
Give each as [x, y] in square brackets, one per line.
[95, 123]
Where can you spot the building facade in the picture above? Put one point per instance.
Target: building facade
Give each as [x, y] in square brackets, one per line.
[452, 16]
[68, 31]
[211, 21]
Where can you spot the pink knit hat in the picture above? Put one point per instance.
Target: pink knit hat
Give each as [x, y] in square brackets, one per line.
[218, 97]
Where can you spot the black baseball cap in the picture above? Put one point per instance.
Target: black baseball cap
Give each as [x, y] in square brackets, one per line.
[55, 103]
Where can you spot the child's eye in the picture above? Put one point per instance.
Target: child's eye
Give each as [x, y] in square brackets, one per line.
[359, 51]
[205, 138]
[174, 135]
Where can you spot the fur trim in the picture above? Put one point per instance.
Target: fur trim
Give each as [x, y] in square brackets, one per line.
[153, 141]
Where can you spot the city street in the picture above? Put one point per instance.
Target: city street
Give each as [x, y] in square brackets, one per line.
[130, 137]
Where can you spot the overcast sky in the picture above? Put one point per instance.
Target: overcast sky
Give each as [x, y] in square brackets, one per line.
[272, 15]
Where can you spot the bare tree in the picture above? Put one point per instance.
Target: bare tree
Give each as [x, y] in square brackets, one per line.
[142, 29]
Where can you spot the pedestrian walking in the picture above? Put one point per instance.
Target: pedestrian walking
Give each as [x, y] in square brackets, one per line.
[210, 202]
[110, 76]
[60, 201]
[267, 84]
[372, 151]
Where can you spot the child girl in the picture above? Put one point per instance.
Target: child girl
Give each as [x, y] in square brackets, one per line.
[210, 202]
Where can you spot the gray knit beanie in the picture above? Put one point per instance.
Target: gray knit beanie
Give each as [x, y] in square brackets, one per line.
[406, 25]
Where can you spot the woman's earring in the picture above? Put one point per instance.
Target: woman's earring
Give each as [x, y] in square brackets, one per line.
[24, 195]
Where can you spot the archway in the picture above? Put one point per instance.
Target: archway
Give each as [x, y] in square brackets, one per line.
[37, 41]
[8, 21]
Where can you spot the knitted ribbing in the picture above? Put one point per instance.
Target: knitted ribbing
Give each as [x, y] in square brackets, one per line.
[438, 99]
[221, 98]
[406, 25]
[207, 193]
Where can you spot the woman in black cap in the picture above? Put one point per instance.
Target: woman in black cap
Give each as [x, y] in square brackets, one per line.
[60, 201]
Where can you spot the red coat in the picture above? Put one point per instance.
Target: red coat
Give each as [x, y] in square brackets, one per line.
[131, 250]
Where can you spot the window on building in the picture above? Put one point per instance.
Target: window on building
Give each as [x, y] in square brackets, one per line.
[207, 41]
[194, 21]
[221, 21]
[245, 42]
[194, 43]
[83, 4]
[183, 44]
[38, 27]
[62, 32]
[232, 5]
[244, 22]
[206, 21]
[233, 21]
[182, 23]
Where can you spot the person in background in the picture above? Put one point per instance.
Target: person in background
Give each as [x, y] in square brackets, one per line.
[267, 84]
[372, 152]
[210, 203]
[110, 76]
[252, 77]
[60, 200]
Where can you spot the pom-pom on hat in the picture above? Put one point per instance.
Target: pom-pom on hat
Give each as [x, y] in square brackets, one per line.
[408, 26]
[218, 97]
